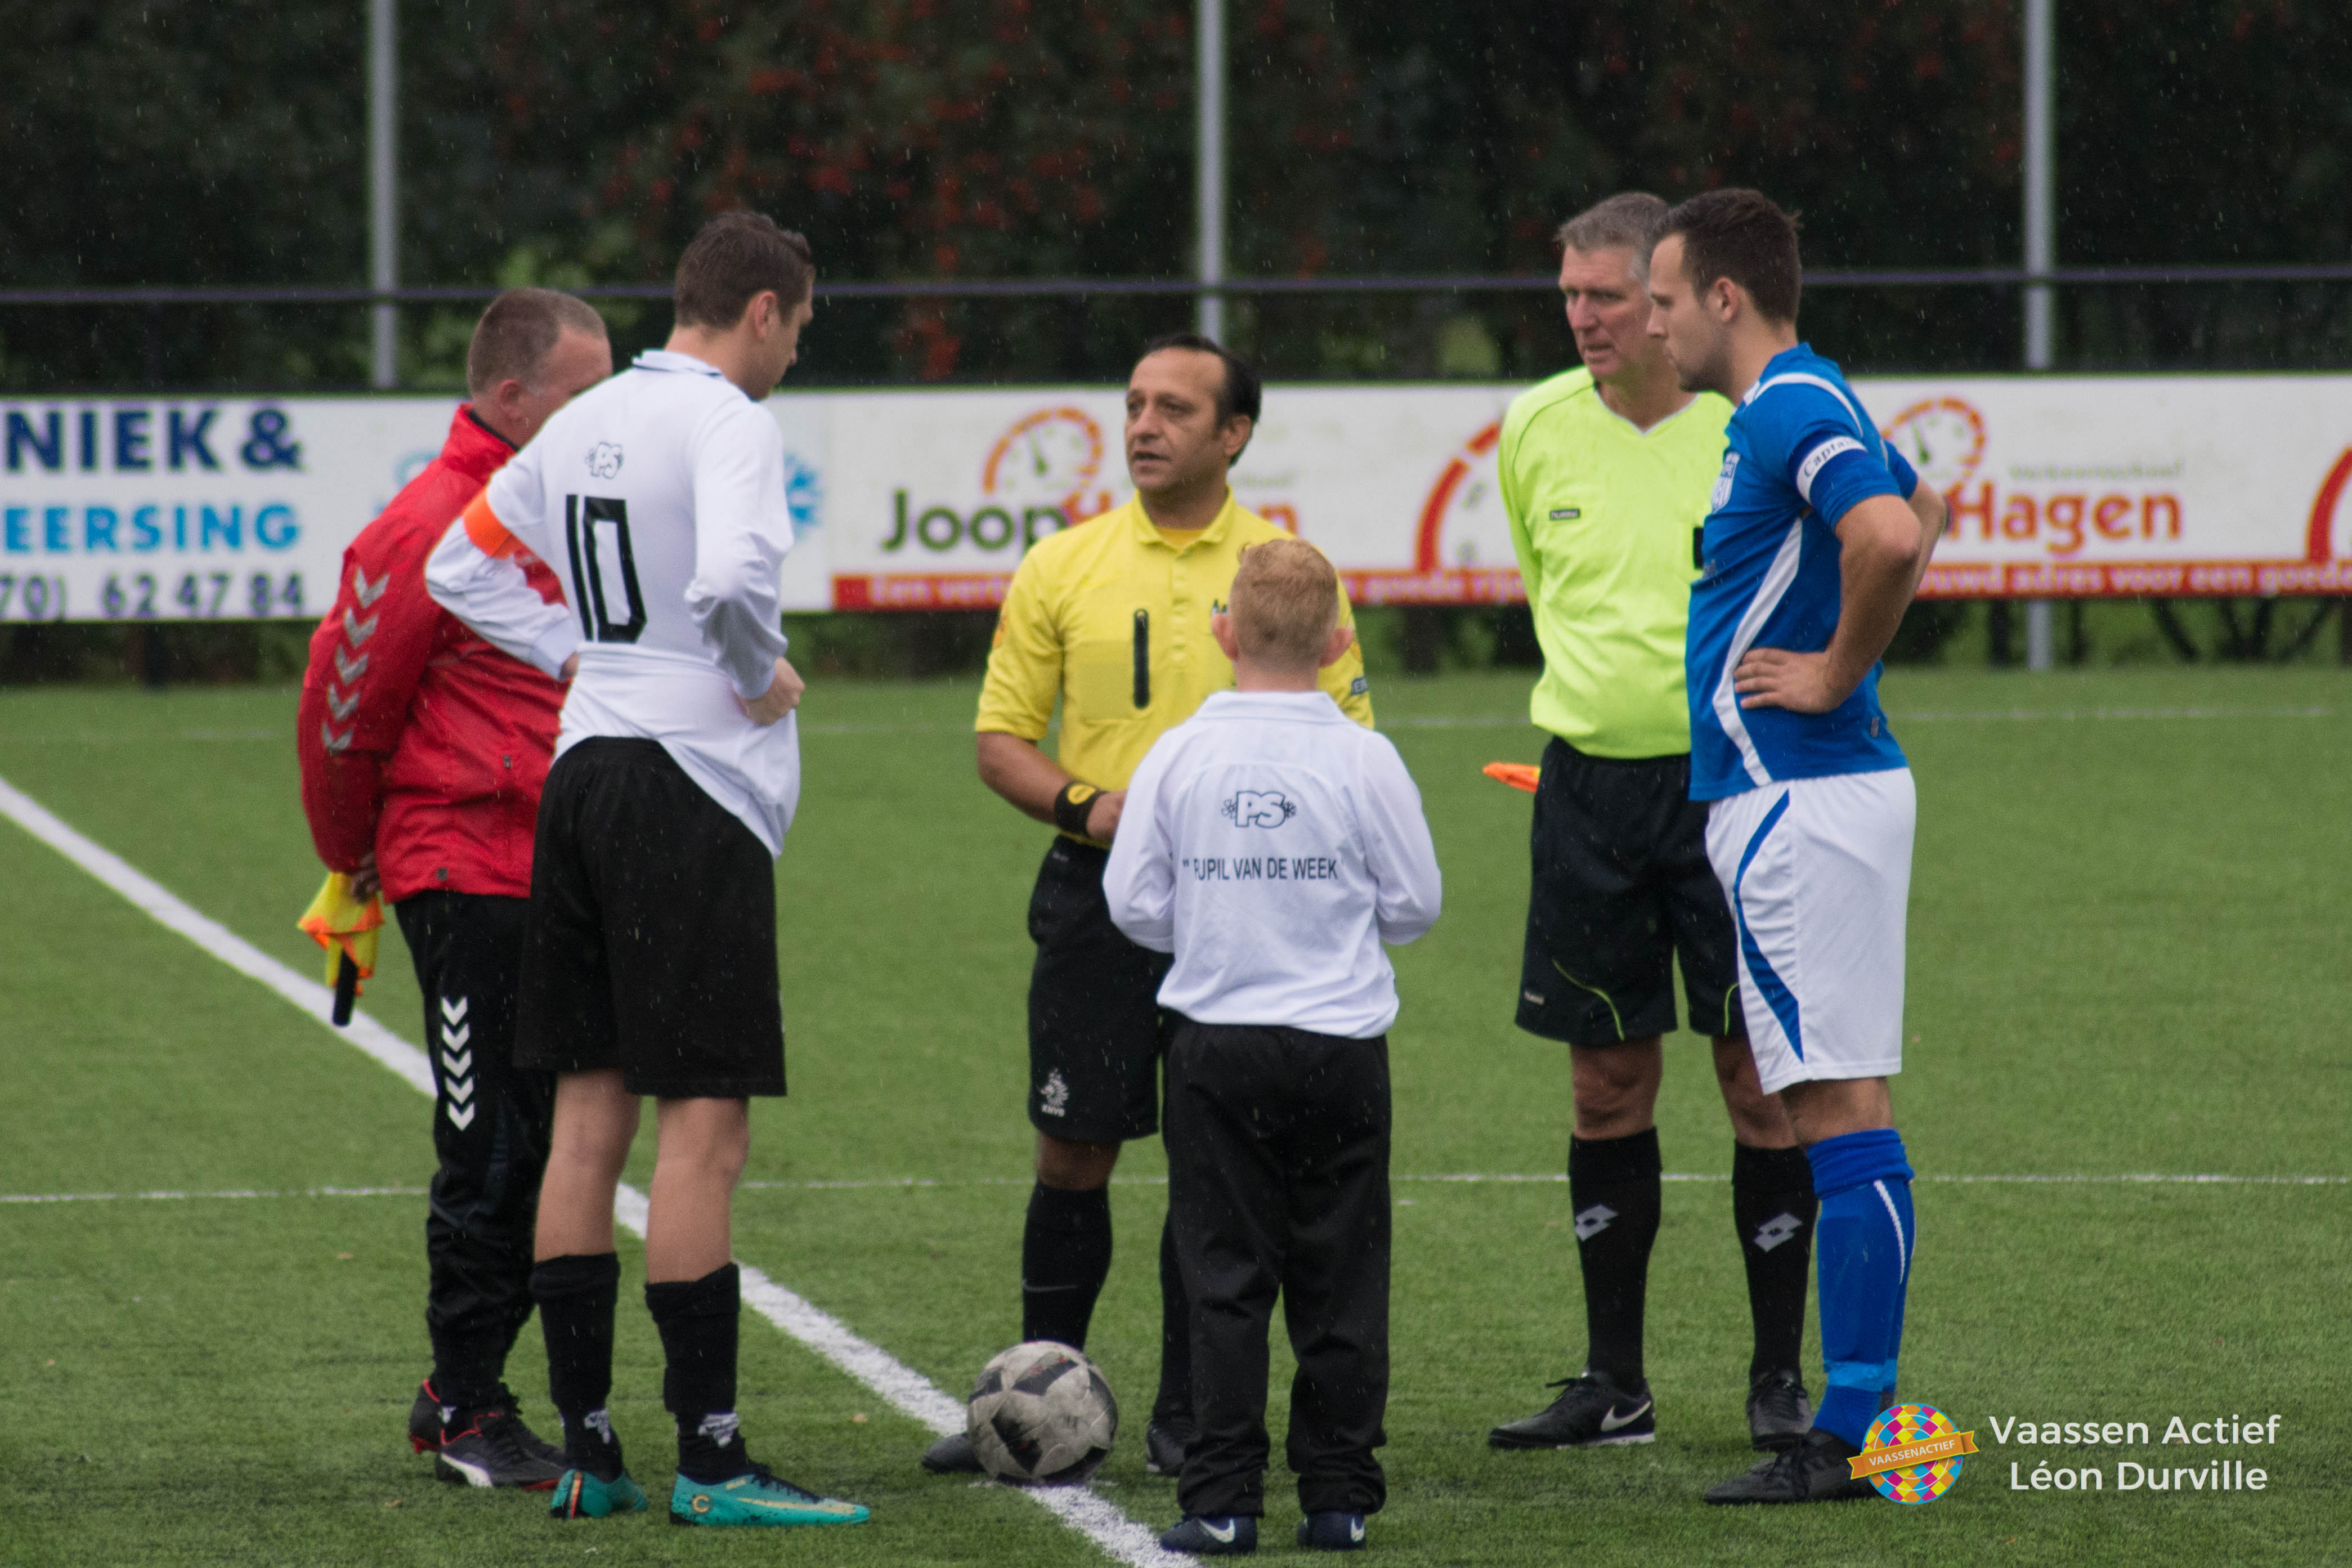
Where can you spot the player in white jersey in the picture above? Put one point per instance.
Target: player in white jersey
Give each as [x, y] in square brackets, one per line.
[1271, 844]
[649, 960]
[1816, 540]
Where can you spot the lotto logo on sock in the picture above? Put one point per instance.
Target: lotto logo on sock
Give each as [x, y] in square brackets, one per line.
[1911, 1453]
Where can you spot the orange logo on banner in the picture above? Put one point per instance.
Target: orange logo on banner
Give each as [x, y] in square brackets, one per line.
[1459, 490]
[1944, 438]
[1054, 455]
[2321, 544]
[1426, 556]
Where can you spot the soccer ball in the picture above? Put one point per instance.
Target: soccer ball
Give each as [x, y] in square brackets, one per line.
[1041, 1413]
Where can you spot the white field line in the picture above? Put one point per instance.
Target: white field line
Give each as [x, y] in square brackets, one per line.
[228, 1193]
[1120, 1537]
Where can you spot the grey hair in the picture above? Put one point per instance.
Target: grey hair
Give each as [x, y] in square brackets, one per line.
[1631, 221]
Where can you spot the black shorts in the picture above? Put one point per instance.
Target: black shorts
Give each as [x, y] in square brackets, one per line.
[1096, 1032]
[651, 944]
[1621, 886]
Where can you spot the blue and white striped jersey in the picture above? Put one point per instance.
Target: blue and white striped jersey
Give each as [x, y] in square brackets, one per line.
[1802, 453]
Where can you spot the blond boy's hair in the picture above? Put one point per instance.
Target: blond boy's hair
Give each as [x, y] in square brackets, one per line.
[1284, 603]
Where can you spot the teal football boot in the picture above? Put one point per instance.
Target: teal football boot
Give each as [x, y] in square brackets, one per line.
[757, 1498]
[582, 1494]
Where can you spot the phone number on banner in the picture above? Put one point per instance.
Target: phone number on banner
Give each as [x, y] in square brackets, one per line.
[153, 596]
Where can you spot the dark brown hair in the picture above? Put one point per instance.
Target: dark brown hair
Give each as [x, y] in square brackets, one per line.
[513, 339]
[1744, 236]
[737, 257]
[1241, 394]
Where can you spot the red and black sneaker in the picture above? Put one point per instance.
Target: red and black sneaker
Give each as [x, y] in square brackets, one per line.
[490, 1447]
[424, 1420]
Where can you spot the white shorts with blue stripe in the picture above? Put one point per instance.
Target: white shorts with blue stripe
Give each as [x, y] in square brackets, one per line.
[1818, 875]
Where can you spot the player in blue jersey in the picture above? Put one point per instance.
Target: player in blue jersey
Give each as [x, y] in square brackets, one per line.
[1815, 543]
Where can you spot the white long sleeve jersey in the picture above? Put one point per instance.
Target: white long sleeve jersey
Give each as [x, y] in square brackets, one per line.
[1273, 844]
[659, 500]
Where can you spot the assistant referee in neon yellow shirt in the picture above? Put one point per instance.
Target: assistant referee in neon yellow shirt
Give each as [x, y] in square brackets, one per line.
[1607, 473]
[1110, 620]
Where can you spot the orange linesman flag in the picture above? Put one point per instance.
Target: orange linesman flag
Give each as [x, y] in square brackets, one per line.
[1518, 775]
[347, 929]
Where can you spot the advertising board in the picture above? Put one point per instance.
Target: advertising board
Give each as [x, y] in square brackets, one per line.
[132, 508]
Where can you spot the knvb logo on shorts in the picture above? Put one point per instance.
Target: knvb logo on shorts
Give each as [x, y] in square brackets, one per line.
[1258, 808]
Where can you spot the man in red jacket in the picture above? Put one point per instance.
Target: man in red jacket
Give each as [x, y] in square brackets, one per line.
[423, 752]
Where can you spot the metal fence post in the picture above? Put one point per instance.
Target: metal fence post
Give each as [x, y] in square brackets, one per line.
[1209, 175]
[2041, 254]
[383, 175]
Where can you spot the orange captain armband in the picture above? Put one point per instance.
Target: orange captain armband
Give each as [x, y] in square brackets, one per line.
[483, 527]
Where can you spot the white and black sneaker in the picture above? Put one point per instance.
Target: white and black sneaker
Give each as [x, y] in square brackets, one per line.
[1231, 1535]
[492, 1447]
[1332, 1530]
[1590, 1412]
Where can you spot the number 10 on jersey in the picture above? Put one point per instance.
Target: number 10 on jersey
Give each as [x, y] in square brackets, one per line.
[596, 535]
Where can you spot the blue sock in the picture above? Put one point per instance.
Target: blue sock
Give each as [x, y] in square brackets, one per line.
[1863, 1240]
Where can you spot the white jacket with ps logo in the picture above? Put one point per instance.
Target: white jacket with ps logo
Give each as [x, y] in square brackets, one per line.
[1273, 844]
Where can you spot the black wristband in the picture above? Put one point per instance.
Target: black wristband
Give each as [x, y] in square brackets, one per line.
[1072, 807]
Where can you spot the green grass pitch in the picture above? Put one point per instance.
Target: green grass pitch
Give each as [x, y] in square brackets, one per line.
[2126, 955]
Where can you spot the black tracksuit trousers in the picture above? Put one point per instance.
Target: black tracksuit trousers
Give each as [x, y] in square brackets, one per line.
[491, 1127]
[1279, 1182]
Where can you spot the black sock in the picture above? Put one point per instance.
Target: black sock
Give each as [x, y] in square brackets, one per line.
[465, 1374]
[1065, 1259]
[1173, 1406]
[699, 1321]
[1773, 1208]
[1614, 1190]
[576, 1294]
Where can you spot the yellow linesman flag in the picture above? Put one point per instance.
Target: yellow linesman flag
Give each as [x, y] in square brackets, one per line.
[342, 924]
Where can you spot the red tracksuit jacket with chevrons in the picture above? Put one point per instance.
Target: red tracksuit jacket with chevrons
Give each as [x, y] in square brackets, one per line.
[418, 740]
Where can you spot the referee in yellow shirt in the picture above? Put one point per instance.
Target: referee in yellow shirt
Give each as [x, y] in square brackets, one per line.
[1111, 618]
[1606, 472]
